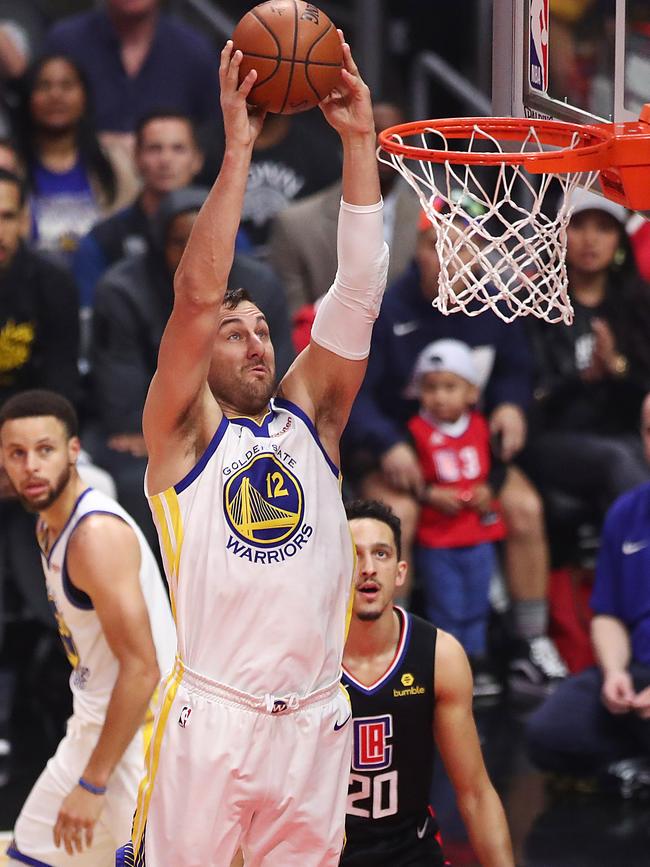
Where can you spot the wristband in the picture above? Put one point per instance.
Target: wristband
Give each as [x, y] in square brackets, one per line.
[94, 790]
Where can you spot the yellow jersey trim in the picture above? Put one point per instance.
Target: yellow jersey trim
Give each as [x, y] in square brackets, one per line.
[153, 755]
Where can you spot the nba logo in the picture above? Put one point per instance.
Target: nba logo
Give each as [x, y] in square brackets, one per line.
[538, 47]
[184, 718]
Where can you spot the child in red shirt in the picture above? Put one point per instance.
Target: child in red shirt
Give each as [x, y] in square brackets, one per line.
[460, 518]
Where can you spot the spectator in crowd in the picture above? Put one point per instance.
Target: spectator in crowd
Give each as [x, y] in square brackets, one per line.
[379, 454]
[293, 158]
[167, 157]
[22, 28]
[138, 59]
[133, 302]
[638, 228]
[302, 241]
[593, 374]
[602, 715]
[39, 323]
[72, 181]
[39, 329]
[459, 520]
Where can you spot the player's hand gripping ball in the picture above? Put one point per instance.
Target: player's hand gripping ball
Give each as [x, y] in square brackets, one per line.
[296, 51]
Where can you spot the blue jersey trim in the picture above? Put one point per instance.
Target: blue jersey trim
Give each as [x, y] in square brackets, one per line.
[12, 852]
[73, 594]
[260, 429]
[283, 403]
[389, 674]
[48, 556]
[198, 468]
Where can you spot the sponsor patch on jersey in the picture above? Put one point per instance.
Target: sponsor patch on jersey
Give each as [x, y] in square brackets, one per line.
[372, 750]
[409, 690]
[407, 679]
[264, 503]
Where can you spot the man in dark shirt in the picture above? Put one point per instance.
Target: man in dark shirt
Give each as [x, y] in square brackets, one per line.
[39, 341]
[293, 157]
[138, 59]
[39, 313]
[167, 156]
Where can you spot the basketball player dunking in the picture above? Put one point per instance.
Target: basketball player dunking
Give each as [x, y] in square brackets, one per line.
[251, 747]
[112, 611]
[410, 686]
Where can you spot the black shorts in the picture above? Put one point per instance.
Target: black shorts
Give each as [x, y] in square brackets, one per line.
[407, 844]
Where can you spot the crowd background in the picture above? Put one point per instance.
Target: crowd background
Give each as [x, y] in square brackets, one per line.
[110, 135]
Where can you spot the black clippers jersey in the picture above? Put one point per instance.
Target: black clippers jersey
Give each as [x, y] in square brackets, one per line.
[393, 750]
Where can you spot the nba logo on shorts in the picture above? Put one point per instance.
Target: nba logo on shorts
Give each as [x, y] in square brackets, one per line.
[538, 45]
[184, 718]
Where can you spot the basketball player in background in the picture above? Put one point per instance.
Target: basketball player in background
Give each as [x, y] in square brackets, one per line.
[252, 742]
[411, 691]
[113, 615]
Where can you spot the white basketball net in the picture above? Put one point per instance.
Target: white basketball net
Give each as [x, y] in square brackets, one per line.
[511, 258]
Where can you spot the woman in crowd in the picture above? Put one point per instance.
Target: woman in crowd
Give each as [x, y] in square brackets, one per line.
[73, 182]
[594, 374]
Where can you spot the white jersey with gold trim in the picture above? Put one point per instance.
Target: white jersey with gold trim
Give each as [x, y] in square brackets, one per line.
[94, 666]
[259, 557]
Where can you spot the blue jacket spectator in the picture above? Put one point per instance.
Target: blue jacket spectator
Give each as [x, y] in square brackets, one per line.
[602, 715]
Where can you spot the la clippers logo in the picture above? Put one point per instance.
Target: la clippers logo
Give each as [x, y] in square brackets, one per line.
[371, 748]
[538, 49]
[184, 718]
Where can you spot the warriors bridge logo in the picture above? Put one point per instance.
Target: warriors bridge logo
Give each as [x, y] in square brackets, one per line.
[264, 507]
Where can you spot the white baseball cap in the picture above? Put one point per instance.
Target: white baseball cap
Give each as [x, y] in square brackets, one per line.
[449, 356]
[584, 200]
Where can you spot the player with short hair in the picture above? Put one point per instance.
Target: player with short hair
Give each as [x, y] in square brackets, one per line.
[411, 691]
[251, 747]
[113, 615]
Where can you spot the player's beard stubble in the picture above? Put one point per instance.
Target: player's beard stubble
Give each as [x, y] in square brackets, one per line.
[248, 396]
[53, 493]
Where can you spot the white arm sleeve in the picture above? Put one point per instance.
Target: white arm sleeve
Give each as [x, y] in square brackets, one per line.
[345, 316]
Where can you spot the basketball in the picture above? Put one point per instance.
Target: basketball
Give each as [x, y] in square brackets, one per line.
[296, 51]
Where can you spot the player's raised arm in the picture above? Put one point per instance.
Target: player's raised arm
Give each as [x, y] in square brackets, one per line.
[178, 389]
[325, 378]
[457, 741]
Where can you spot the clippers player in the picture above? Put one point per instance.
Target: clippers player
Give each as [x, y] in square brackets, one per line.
[113, 614]
[245, 493]
[411, 691]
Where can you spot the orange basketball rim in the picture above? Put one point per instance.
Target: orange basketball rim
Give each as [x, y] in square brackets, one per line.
[618, 152]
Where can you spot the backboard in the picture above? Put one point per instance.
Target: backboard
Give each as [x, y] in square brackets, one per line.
[574, 60]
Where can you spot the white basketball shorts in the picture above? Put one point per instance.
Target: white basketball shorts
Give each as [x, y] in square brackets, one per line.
[227, 770]
[33, 841]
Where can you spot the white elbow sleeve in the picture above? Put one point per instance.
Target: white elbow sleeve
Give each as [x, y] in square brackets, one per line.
[345, 316]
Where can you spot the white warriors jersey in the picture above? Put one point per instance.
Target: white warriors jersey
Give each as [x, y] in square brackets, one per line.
[94, 666]
[259, 557]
